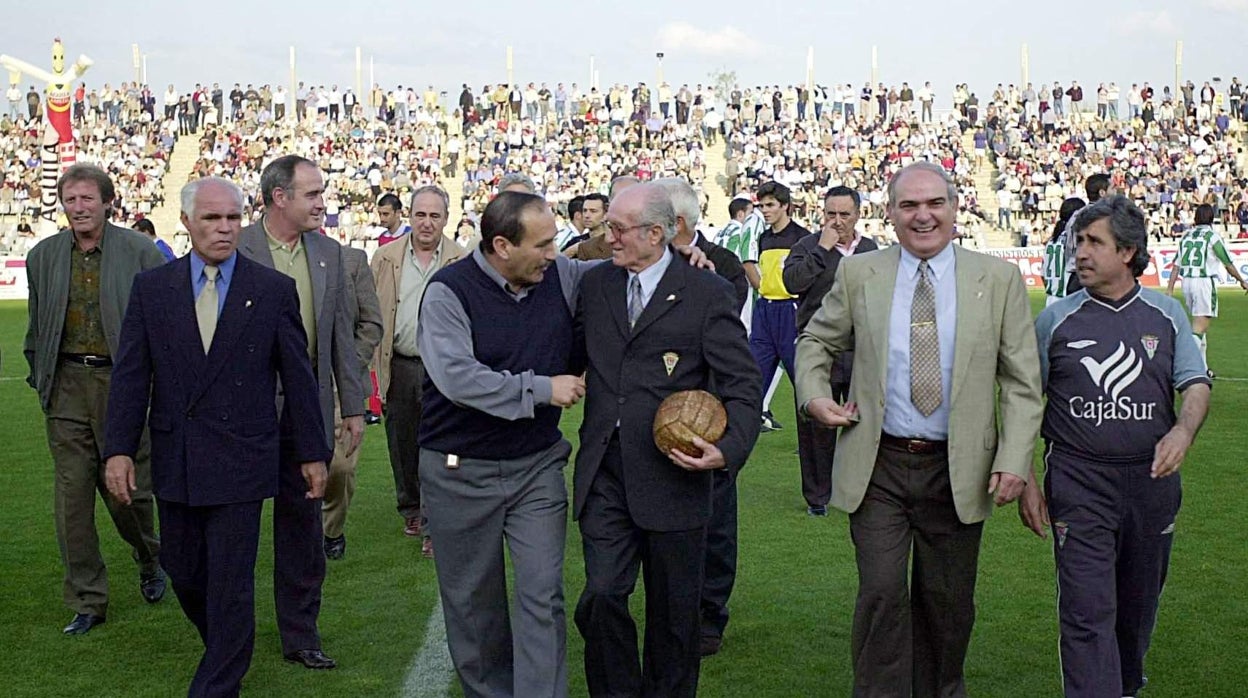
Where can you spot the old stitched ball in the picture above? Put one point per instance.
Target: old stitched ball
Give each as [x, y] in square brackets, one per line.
[687, 414]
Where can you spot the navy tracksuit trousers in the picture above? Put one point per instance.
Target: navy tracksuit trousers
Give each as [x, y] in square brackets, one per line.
[1112, 530]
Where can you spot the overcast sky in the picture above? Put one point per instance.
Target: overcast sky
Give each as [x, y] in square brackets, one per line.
[420, 42]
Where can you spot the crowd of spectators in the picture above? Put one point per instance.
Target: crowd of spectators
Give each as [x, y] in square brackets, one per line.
[1169, 154]
[120, 135]
[860, 149]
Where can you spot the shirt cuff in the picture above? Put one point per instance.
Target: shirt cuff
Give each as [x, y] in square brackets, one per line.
[542, 390]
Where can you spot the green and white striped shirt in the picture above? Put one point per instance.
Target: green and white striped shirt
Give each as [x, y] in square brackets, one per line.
[1201, 253]
[1055, 273]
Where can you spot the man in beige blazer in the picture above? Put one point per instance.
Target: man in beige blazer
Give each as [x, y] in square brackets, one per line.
[923, 455]
[401, 269]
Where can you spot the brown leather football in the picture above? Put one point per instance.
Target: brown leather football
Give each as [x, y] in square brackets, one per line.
[686, 414]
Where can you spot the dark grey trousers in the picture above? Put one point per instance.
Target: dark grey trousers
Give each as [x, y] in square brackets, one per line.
[473, 510]
[911, 639]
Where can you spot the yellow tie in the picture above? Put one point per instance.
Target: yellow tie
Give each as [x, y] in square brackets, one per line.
[206, 306]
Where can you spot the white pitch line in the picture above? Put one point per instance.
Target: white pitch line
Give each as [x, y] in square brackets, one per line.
[431, 671]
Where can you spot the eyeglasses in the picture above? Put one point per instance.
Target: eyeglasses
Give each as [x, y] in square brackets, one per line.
[618, 230]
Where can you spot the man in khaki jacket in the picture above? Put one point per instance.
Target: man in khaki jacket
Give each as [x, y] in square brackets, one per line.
[402, 269]
[941, 420]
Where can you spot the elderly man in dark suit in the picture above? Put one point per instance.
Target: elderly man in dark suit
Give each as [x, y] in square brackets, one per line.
[203, 337]
[286, 238]
[651, 328]
[720, 569]
[809, 271]
[79, 286]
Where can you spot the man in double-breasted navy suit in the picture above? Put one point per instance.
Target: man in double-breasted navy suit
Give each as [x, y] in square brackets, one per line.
[205, 340]
[651, 327]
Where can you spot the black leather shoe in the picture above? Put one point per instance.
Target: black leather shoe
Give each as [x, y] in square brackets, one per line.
[152, 586]
[311, 659]
[335, 547]
[82, 624]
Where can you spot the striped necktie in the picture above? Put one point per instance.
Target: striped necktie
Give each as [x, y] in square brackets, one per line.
[635, 303]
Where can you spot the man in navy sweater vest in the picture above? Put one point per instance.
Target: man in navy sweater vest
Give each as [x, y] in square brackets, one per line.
[496, 336]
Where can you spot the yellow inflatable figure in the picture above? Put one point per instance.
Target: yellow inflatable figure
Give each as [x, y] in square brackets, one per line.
[58, 151]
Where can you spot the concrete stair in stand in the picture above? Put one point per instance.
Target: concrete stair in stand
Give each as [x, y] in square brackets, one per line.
[167, 217]
[717, 200]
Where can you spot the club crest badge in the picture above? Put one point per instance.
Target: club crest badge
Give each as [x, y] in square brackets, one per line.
[1060, 529]
[669, 361]
[1150, 343]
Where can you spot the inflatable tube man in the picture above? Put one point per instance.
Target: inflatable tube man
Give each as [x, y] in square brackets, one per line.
[58, 151]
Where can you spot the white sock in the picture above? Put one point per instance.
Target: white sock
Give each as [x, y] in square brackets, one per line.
[1203, 343]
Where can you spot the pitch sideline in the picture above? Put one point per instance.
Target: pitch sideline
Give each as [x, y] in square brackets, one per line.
[431, 671]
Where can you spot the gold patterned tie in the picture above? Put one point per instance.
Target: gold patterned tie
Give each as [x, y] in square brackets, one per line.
[206, 306]
[925, 391]
[635, 303]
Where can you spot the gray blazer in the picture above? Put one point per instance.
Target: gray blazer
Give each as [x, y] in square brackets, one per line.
[125, 254]
[336, 358]
[365, 309]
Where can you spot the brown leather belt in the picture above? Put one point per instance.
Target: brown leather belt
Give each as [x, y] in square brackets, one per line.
[915, 446]
[88, 360]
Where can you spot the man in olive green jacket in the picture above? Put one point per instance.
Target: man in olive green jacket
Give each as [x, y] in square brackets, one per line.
[79, 283]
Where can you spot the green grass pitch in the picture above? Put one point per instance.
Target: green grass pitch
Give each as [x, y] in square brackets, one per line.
[791, 610]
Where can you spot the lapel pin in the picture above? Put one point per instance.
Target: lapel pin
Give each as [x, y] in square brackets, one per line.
[669, 359]
[979, 294]
[671, 298]
[247, 304]
[322, 265]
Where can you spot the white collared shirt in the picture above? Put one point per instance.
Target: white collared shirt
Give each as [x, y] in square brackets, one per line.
[901, 417]
[650, 277]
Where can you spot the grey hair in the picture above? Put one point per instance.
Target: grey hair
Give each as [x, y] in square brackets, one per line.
[951, 187]
[192, 189]
[657, 210]
[514, 178]
[622, 182]
[1127, 223]
[431, 189]
[684, 199]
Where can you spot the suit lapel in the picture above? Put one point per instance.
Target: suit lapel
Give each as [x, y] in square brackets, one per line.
[666, 295]
[878, 289]
[614, 292]
[254, 244]
[184, 326]
[230, 325]
[317, 256]
[970, 278]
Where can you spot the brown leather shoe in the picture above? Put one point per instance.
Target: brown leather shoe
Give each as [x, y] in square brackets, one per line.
[426, 547]
[411, 526]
